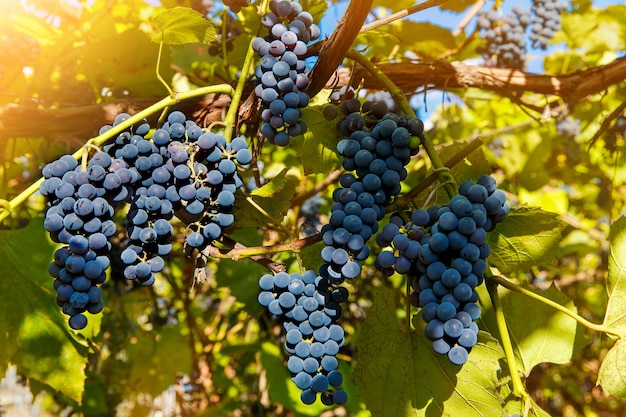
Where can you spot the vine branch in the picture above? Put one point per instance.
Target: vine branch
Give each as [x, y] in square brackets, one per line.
[592, 326]
[7, 207]
[402, 13]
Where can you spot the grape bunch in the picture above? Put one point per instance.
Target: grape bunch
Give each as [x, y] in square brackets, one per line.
[378, 149]
[310, 211]
[235, 6]
[378, 158]
[505, 37]
[546, 21]
[180, 170]
[442, 250]
[312, 338]
[80, 208]
[227, 32]
[567, 127]
[281, 74]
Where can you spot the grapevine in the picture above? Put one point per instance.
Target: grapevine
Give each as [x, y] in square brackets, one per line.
[301, 243]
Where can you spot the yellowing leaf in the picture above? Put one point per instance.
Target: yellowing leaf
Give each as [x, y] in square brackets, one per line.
[398, 374]
[181, 25]
[616, 281]
[612, 375]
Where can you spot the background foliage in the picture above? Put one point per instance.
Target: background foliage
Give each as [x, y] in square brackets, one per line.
[66, 68]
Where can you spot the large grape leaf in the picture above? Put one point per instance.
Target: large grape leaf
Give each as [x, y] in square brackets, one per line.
[612, 375]
[615, 317]
[37, 337]
[274, 198]
[546, 335]
[398, 374]
[528, 236]
[181, 25]
[317, 147]
[156, 357]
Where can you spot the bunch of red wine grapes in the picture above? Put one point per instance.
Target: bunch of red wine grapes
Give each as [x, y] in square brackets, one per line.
[281, 74]
[377, 145]
[179, 169]
[442, 250]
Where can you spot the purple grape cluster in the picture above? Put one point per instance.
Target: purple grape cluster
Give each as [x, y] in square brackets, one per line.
[378, 158]
[281, 74]
[180, 169]
[567, 127]
[235, 6]
[443, 251]
[227, 32]
[546, 21]
[80, 205]
[312, 338]
[378, 153]
[505, 37]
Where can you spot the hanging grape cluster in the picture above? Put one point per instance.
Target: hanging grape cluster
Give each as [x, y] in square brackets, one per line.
[180, 169]
[442, 250]
[281, 74]
[505, 37]
[546, 21]
[377, 146]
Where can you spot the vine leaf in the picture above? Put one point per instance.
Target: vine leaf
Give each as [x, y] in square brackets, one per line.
[398, 374]
[612, 375]
[615, 317]
[528, 236]
[181, 25]
[156, 358]
[41, 344]
[546, 335]
[317, 147]
[274, 197]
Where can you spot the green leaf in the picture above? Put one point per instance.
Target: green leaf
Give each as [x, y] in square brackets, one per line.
[612, 375]
[528, 236]
[156, 357]
[274, 197]
[317, 148]
[41, 343]
[395, 5]
[615, 317]
[181, 25]
[242, 278]
[546, 335]
[398, 374]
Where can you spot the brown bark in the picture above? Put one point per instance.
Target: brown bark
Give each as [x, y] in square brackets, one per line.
[21, 121]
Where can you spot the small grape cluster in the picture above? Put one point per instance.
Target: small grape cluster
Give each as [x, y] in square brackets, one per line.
[506, 38]
[281, 76]
[180, 170]
[312, 338]
[546, 21]
[378, 158]
[79, 215]
[310, 211]
[227, 32]
[235, 6]
[443, 251]
[567, 127]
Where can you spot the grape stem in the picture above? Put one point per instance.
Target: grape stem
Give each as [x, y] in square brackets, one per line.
[99, 140]
[231, 116]
[592, 326]
[402, 13]
[158, 67]
[444, 174]
[518, 386]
